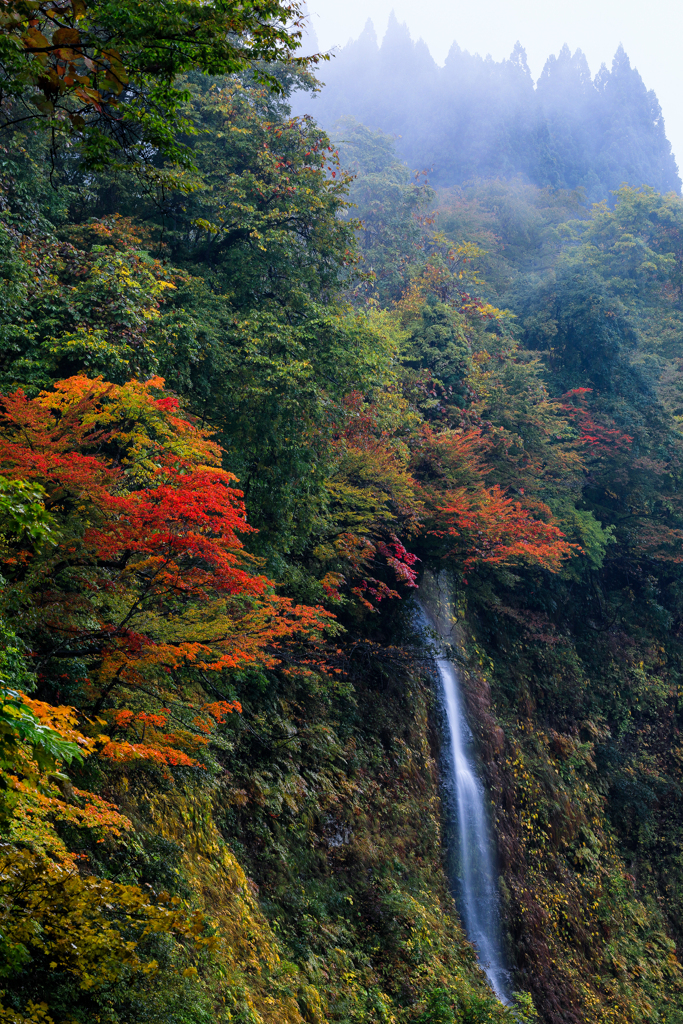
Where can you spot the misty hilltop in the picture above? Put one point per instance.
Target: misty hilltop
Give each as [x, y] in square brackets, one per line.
[477, 117]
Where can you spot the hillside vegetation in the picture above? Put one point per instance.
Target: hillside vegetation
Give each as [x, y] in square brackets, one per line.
[255, 383]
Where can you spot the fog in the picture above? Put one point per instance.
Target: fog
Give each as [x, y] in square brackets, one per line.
[480, 117]
[650, 34]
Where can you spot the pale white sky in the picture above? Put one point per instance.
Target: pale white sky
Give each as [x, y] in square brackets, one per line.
[651, 32]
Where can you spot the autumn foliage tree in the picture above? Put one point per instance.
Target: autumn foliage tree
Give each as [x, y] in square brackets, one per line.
[146, 597]
[485, 525]
[402, 482]
[92, 930]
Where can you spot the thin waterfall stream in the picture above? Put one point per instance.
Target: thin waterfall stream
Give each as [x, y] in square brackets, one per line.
[474, 877]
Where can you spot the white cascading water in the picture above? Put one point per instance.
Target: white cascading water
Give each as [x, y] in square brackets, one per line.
[476, 880]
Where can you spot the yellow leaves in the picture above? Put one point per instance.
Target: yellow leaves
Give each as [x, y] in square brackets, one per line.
[34, 1013]
[37, 810]
[33, 39]
[151, 427]
[69, 37]
[38, 796]
[88, 927]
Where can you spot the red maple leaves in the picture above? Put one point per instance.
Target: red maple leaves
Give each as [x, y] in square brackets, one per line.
[148, 582]
[598, 437]
[487, 525]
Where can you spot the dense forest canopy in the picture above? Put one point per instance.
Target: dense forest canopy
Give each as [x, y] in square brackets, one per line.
[476, 117]
[258, 384]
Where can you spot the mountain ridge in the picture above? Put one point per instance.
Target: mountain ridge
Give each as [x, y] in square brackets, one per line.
[477, 117]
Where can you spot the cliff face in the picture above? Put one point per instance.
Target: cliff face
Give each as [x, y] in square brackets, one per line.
[588, 939]
[318, 859]
[320, 856]
[340, 826]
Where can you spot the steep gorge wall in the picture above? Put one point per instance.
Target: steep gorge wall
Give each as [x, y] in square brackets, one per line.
[586, 937]
[324, 868]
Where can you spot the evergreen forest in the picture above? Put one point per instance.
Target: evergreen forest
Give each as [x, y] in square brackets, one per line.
[262, 382]
[477, 117]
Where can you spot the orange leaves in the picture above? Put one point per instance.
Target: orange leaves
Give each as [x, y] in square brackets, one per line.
[81, 809]
[148, 582]
[61, 52]
[89, 436]
[39, 800]
[34, 40]
[490, 527]
[85, 413]
[218, 709]
[37, 795]
[155, 753]
[496, 530]
[331, 582]
[64, 720]
[146, 497]
[122, 719]
[146, 739]
[399, 477]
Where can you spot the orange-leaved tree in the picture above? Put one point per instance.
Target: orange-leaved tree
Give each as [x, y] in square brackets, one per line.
[399, 477]
[95, 930]
[372, 505]
[482, 524]
[145, 598]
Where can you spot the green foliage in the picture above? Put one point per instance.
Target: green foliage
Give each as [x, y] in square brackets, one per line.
[370, 396]
[438, 342]
[524, 1008]
[72, 310]
[439, 1008]
[18, 726]
[104, 75]
[333, 806]
[88, 935]
[23, 512]
[390, 206]
[591, 657]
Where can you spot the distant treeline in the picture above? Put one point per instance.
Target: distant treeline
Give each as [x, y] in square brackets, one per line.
[477, 117]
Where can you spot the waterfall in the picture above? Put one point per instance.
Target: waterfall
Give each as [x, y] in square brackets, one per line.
[474, 872]
[477, 882]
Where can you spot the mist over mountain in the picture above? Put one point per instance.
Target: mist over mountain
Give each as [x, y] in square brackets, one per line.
[477, 117]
